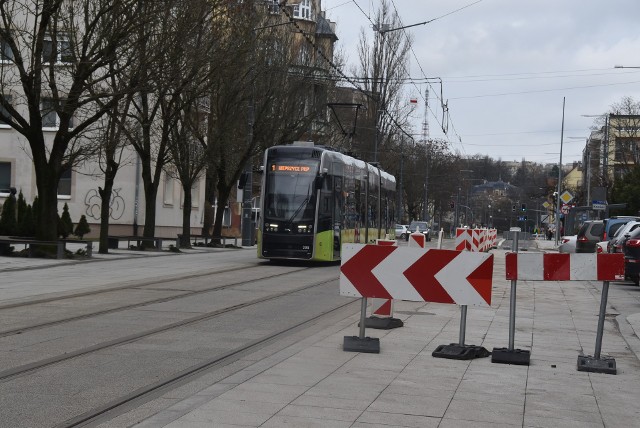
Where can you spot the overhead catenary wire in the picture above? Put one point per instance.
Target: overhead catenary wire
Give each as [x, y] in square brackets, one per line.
[335, 67]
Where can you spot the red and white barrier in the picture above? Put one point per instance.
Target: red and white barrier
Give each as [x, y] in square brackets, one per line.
[464, 240]
[441, 276]
[476, 239]
[417, 239]
[493, 238]
[383, 308]
[565, 267]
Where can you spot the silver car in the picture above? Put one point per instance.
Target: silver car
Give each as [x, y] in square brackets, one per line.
[568, 244]
[402, 231]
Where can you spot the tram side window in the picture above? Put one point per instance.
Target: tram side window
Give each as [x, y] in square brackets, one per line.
[338, 214]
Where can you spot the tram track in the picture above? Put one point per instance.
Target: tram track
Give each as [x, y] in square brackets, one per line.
[131, 285]
[184, 294]
[141, 395]
[34, 366]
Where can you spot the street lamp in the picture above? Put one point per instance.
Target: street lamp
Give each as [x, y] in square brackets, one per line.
[458, 197]
[560, 177]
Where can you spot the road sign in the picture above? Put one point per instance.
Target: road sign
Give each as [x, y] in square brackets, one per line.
[565, 209]
[599, 205]
[566, 197]
[546, 204]
[404, 273]
[544, 218]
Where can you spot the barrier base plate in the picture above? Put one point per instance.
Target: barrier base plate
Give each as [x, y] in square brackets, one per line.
[369, 345]
[587, 363]
[520, 357]
[382, 323]
[455, 351]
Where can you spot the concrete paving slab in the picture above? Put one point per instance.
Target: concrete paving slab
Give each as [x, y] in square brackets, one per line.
[312, 382]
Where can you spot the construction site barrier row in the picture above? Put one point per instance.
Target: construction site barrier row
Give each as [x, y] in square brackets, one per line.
[476, 239]
[464, 278]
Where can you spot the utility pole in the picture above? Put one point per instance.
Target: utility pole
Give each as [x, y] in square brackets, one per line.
[425, 138]
[559, 201]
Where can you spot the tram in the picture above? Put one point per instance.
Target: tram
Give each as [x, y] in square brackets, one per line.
[314, 199]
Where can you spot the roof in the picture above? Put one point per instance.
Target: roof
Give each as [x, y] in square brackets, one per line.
[324, 28]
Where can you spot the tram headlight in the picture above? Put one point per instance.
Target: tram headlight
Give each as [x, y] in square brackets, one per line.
[304, 228]
[271, 227]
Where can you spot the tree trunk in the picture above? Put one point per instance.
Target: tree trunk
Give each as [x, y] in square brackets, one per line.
[105, 207]
[47, 184]
[223, 197]
[185, 241]
[150, 196]
[150, 212]
[207, 222]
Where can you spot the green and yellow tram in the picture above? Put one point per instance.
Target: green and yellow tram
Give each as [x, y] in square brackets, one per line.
[313, 199]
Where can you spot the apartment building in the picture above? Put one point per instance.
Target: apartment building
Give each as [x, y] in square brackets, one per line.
[79, 187]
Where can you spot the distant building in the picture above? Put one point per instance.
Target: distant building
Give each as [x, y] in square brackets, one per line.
[612, 151]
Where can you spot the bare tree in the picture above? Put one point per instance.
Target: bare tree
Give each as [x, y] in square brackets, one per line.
[265, 96]
[187, 146]
[179, 34]
[383, 66]
[54, 77]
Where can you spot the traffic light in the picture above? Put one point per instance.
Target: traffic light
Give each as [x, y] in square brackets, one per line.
[513, 208]
[524, 207]
[452, 204]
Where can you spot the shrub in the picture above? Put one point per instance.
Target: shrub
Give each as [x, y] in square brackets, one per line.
[65, 225]
[8, 216]
[82, 228]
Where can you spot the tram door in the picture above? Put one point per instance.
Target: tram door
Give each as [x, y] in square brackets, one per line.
[338, 210]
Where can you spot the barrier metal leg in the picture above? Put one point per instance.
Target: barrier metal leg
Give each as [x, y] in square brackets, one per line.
[460, 351]
[463, 324]
[596, 363]
[510, 355]
[361, 343]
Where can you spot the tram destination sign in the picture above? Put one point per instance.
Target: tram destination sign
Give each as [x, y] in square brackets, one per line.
[290, 168]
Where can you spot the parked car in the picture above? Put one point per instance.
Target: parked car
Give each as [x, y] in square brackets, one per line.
[422, 227]
[614, 245]
[601, 247]
[402, 231]
[589, 235]
[613, 223]
[631, 251]
[568, 244]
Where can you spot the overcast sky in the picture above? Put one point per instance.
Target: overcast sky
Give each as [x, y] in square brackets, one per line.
[506, 66]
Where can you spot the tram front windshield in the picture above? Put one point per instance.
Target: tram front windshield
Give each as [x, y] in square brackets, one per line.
[290, 191]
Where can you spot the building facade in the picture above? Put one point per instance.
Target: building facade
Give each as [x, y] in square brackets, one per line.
[80, 186]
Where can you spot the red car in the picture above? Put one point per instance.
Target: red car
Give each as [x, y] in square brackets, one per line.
[631, 251]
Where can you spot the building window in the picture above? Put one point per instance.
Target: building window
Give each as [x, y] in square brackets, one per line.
[50, 118]
[303, 10]
[57, 51]
[304, 55]
[273, 6]
[64, 185]
[6, 54]
[195, 194]
[4, 112]
[5, 178]
[168, 189]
